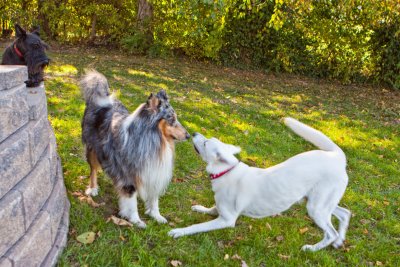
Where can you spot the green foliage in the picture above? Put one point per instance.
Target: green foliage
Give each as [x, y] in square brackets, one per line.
[346, 40]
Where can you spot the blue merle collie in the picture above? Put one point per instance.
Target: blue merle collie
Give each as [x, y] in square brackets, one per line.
[135, 149]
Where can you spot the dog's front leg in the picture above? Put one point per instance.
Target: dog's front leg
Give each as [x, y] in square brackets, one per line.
[218, 223]
[153, 211]
[202, 209]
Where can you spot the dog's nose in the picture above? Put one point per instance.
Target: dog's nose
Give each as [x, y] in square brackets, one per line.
[194, 134]
[187, 135]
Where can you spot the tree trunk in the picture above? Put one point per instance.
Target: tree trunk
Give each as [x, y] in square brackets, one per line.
[42, 17]
[93, 30]
[145, 14]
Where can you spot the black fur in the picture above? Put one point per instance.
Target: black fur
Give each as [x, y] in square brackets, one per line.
[33, 54]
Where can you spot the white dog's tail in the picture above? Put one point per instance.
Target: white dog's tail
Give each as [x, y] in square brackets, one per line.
[314, 136]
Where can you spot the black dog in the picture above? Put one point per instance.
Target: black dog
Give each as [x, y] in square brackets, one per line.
[28, 49]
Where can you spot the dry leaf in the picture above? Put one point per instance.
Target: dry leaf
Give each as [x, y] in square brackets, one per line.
[119, 221]
[378, 263]
[87, 199]
[122, 237]
[385, 202]
[268, 226]
[226, 257]
[250, 227]
[244, 264]
[86, 238]
[236, 257]
[365, 231]
[303, 230]
[364, 221]
[176, 263]
[279, 238]
[284, 257]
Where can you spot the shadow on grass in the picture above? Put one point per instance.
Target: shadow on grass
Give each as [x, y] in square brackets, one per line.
[243, 108]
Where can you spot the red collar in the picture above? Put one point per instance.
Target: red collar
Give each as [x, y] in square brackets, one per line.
[215, 176]
[18, 52]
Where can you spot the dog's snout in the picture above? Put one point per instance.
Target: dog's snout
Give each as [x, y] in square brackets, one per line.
[194, 134]
[187, 136]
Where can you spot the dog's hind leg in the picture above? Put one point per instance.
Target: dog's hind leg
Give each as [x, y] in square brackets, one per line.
[344, 216]
[93, 189]
[323, 220]
[153, 211]
[202, 209]
[128, 209]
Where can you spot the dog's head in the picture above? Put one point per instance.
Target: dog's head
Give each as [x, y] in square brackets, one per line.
[160, 109]
[214, 152]
[33, 49]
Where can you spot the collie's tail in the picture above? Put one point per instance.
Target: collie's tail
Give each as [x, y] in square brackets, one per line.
[95, 88]
[314, 136]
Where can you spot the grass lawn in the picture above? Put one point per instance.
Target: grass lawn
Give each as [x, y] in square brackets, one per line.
[242, 108]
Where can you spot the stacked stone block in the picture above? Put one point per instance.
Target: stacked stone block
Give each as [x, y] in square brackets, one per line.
[34, 209]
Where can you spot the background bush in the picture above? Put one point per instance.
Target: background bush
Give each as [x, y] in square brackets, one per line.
[345, 40]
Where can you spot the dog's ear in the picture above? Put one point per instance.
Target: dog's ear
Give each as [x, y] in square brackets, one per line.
[153, 102]
[36, 30]
[226, 157]
[20, 33]
[233, 149]
[162, 95]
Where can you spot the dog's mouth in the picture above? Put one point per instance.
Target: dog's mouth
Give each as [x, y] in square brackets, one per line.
[195, 148]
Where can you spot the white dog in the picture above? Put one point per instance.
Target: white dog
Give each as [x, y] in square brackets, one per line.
[318, 175]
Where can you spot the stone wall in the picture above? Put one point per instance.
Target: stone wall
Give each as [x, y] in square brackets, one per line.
[34, 209]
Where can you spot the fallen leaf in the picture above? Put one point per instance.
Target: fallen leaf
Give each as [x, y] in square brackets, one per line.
[87, 199]
[303, 230]
[365, 231]
[236, 257]
[86, 238]
[122, 237]
[279, 238]
[385, 202]
[119, 221]
[378, 263]
[226, 257]
[244, 264]
[98, 234]
[364, 221]
[176, 263]
[93, 203]
[250, 227]
[284, 257]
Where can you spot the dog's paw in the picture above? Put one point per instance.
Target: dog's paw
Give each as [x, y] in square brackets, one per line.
[139, 223]
[92, 191]
[160, 219]
[309, 248]
[198, 208]
[338, 243]
[175, 233]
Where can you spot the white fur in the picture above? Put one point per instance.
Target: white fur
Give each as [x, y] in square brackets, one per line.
[318, 175]
[128, 209]
[104, 101]
[155, 179]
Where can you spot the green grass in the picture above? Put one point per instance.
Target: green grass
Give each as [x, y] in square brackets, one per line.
[243, 108]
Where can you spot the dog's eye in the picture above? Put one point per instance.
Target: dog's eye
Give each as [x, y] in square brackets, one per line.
[35, 45]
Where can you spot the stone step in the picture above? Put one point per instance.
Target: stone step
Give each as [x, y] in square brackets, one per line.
[12, 75]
